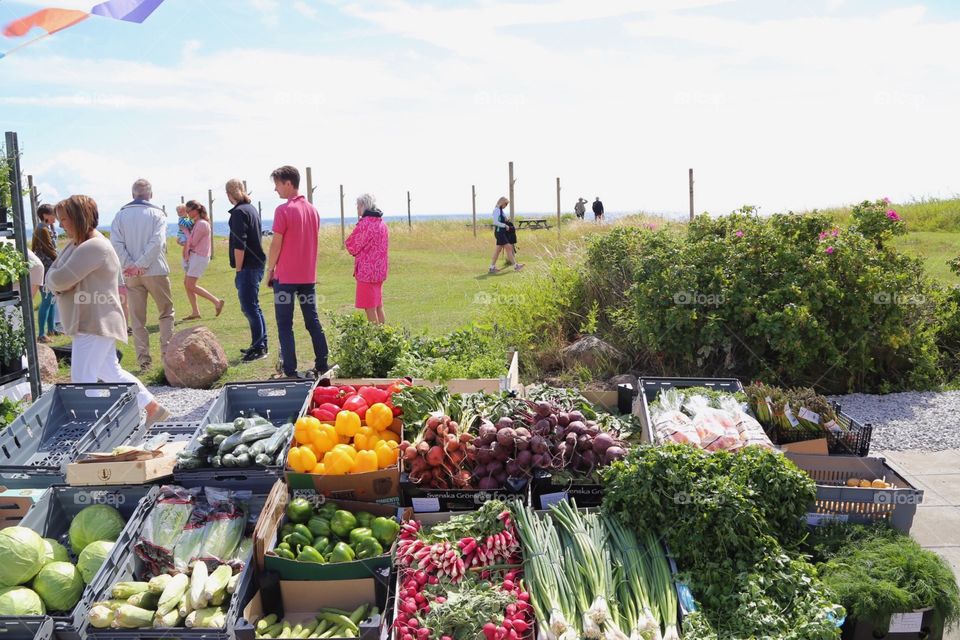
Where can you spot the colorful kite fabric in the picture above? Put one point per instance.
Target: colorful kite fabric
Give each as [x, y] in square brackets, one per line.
[50, 20]
[128, 10]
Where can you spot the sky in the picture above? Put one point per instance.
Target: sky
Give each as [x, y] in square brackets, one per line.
[781, 104]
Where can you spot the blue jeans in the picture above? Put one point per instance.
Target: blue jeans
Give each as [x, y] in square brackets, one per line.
[284, 298]
[247, 282]
[45, 313]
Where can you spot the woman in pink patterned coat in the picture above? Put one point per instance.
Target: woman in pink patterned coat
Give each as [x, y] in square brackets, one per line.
[368, 244]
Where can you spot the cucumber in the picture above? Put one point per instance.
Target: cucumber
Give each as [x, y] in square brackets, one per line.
[257, 447]
[229, 460]
[220, 429]
[264, 460]
[280, 439]
[230, 443]
[240, 449]
[244, 459]
[218, 440]
[257, 433]
[216, 462]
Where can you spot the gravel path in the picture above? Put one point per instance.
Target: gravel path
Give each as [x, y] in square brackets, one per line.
[184, 404]
[911, 420]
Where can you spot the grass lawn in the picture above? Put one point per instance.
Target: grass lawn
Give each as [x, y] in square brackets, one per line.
[437, 270]
[936, 249]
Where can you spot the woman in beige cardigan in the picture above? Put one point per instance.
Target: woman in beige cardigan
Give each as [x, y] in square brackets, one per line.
[84, 278]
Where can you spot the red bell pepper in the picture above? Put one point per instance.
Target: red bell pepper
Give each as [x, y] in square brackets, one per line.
[357, 404]
[330, 407]
[372, 395]
[323, 415]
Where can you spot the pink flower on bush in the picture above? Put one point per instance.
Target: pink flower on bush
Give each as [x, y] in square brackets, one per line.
[893, 215]
[835, 232]
[886, 201]
[829, 250]
[823, 236]
[739, 233]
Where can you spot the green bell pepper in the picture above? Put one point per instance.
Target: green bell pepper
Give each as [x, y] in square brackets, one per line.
[342, 553]
[319, 526]
[297, 541]
[310, 554]
[358, 534]
[385, 530]
[342, 523]
[368, 548]
[286, 530]
[320, 543]
[304, 531]
[299, 510]
[364, 518]
[328, 509]
[284, 553]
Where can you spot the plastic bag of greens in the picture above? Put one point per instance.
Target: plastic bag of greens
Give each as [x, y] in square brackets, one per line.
[240, 555]
[163, 526]
[188, 546]
[670, 424]
[226, 524]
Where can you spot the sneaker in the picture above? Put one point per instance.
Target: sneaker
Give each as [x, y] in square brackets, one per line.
[249, 349]
[492, 270]
[257, 354]
[518, 267]
[43, 339]
[129, 331]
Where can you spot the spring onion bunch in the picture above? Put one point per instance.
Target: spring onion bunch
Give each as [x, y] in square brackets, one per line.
[661, 586]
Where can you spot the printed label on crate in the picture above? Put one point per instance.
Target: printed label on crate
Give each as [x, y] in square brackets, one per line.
[809, 416]
[906, 622]
[818, 519]
[832, 426]
[425, 505]
[548, 499]
[789, 414]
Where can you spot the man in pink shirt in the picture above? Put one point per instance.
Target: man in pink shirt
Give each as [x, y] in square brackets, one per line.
[292, 270]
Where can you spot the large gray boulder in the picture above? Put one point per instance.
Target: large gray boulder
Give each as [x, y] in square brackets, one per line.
[194, 359]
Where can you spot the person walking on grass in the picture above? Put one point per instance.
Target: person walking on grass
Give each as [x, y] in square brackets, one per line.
[369, 244]
[503, 231]
[597, 210]
[84, 278]
[248, 259]
[292, 270]
[45, 249]
[579, 209]
[139, 236]
[197, 250]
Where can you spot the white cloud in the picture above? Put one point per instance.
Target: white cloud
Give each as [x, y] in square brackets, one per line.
[305, 9]
[269, 11]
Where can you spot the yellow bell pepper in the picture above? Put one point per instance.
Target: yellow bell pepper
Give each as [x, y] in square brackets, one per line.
[320, 469]
[337, 462]
[388, 434]
[386, 457]
[366, 461]
[347, 449]
[303, 429]
[379, 416]
[348, 424]
[366, 439]
[325, 438]
[301, 459]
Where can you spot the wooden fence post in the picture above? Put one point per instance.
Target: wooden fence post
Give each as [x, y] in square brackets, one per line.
[512, 181]
[473, 191]
[409, 219]
[210, 212]
[343, 223]
[309, 185]
[691, 195]
[558, 208]
[34, 201]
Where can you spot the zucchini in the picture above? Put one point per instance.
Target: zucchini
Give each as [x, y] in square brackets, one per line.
[280, 439]
[229, 460]
[257, 433]
[243, 459]
[220, 429]
[230, 443]
[264, 460]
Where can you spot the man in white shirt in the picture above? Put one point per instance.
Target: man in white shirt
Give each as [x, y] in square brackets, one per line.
[139, 236]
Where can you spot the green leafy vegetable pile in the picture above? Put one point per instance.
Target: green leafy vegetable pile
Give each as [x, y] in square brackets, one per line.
[734, 522]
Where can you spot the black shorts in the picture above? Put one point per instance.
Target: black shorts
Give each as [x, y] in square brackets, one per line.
[502, 236]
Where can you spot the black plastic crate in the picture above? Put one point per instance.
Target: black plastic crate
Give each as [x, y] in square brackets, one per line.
[930, 628]
[50, 516]
[853, 439]
[547, 488]
[124, 565]
[651, 387]
[278, 401]
[428, 500]
[63, 423]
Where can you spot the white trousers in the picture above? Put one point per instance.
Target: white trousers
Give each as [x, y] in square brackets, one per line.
[94, 359]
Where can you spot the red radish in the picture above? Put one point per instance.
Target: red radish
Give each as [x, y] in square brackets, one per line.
[414, 622]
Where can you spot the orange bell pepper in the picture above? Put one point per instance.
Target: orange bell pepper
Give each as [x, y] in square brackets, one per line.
[348, 424]
[379, 416]
[366, 461]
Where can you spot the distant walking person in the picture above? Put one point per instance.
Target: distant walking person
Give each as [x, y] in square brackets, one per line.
[248, 259]
[505, 235]
[199, 244]
[139, 236]
[597, 210]
[579, 209]
[369, 244]
[45, 247]
[84, 276]
[292, 270]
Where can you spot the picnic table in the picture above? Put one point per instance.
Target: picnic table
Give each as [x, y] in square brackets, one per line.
[533, 223]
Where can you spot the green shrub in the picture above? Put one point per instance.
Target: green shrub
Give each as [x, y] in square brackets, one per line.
[877, 221]
[366, 350]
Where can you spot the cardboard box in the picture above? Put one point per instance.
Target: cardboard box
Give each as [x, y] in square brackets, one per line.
[294, 570]
[14, 504]
[815, 447]
[134, 472]
[381, 486]
[302, 600]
